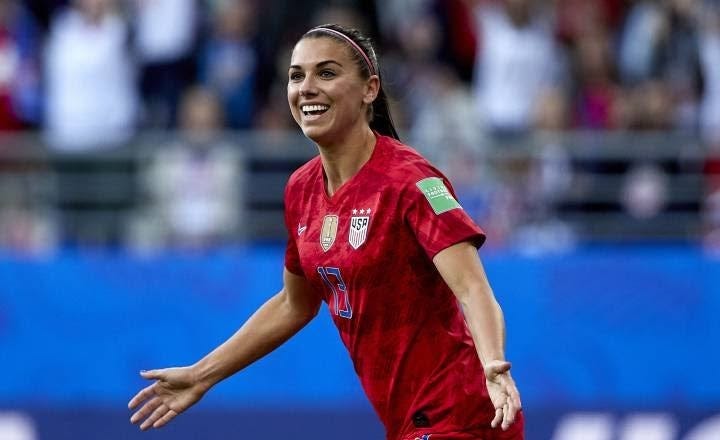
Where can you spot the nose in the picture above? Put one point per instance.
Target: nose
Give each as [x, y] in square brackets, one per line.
[307, 87]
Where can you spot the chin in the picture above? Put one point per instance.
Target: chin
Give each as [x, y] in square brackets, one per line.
[315, 134]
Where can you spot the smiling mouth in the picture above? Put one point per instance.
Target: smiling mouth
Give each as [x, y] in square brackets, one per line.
[314, 110]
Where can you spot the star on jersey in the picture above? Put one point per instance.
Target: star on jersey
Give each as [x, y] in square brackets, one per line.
[359, 227]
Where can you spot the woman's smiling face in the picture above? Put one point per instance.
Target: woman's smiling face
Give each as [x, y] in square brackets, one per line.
[327, 96]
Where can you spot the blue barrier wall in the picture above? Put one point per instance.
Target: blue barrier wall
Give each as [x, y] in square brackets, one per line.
[608, 328]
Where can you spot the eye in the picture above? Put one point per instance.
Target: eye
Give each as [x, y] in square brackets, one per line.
[296, 76]
[326, 74]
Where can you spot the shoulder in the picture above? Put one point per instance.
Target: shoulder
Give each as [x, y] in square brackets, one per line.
[405, 166]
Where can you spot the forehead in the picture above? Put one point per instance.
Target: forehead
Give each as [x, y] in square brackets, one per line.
[313, 50]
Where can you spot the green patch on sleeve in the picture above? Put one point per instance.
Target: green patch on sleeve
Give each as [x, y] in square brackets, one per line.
[437, 195]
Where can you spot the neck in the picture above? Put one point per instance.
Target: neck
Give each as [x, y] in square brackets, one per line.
[343, 160]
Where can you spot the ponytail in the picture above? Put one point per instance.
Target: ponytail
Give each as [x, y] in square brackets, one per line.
[380, 119]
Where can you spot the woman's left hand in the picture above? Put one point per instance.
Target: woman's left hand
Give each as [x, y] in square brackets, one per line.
[503, 393]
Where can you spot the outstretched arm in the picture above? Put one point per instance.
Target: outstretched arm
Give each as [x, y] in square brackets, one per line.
[463, 272]
[176, 389]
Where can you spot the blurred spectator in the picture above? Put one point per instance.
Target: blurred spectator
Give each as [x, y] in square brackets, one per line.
[552, 112]
[411, 69]
[660, 43]
[397, 13]
[653, 106]
[26, 227]
[165, 39]
[639, 41]
[597, 89]
[193, 184]
[229, 60]
[578, 17]
[91, 100]
[710, 61]
[459, 43]
[445, 125]
[516, 60]
[19, 68]
[343, 14]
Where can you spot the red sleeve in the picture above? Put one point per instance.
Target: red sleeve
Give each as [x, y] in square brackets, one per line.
[439, 225]
[292, 257]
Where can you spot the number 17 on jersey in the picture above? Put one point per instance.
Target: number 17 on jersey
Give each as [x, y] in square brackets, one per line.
[339, 290]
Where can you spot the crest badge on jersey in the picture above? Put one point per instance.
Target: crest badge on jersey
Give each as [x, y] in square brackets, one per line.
[359, 228]
[328, 231]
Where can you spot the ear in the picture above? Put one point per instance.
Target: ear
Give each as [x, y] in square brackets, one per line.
[372, 89]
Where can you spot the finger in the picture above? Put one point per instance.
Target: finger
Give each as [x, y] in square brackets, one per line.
[144, 394]
[152, 374]
[498, 418]
[514, 396]
[146, 410]
[154, 417]
[509, 414]
[165, 419]
[512, 392]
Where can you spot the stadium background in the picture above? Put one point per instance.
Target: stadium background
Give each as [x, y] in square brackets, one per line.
[144, 149]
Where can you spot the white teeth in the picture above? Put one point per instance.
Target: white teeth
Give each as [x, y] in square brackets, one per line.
[314, 108]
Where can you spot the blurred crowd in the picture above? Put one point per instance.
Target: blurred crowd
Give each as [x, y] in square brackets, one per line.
[465, 76]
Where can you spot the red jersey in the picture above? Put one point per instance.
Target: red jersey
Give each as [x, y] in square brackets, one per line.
[369, 249]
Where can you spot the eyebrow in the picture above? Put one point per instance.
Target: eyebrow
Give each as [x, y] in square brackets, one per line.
[318, 65]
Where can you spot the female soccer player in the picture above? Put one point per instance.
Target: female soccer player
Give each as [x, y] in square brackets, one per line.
[375, 231]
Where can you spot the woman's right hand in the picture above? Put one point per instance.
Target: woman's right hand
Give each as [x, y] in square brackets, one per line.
[174, 391]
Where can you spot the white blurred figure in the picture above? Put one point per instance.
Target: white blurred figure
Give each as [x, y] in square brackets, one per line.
[444, 126]
[193, 184]
[516, 61]
[91, 100]
[645, 192]
[165, 39]
[165, 29]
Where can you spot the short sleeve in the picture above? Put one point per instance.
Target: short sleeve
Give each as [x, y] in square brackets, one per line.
[436, 218]
[292, 256]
